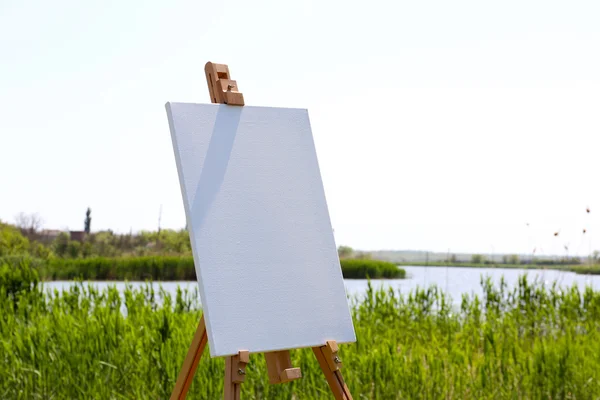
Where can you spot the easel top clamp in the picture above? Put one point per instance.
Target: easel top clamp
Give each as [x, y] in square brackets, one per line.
[224, 90]
[221, 87]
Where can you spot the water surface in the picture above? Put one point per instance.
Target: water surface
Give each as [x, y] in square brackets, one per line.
[454, 281]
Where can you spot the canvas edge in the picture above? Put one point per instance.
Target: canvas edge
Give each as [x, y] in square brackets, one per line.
[186, 207]
[245, 106]
[337, 257]
[308, 346]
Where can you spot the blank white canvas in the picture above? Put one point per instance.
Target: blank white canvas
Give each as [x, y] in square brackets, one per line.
[262, 240]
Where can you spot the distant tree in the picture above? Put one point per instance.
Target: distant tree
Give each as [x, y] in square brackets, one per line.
[103, 244]
[88, 221]
[513, 259]
[12, 241]
[29, 223]
[86, 249]
[61, 244]
[40, 251]
[594, 257]
[74, 249]
[172, 241]
[573, 260]
[477, 259]
[345, 251]
[362, 255]
[452, 259]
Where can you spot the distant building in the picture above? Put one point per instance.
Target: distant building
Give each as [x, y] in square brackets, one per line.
[50, 234]
[47, 236]
[77, 235]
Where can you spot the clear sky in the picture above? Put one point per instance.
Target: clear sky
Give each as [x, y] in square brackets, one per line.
[439, 125]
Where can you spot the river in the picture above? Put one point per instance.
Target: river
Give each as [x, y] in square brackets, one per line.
[455, 281]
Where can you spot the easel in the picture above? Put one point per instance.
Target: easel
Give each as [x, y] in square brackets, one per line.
[279, 365]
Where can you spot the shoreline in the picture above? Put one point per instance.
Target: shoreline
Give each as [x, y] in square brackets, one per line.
[578, 269]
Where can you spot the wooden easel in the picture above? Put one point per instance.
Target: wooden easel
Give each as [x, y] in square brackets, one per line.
[279, 365]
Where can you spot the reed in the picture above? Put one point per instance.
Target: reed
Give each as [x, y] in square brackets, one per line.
[531, 341]
[171, 268]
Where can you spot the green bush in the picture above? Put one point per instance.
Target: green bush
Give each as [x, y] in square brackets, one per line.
[373, 269]
[12, 241]
[477, 259]
[122, 268]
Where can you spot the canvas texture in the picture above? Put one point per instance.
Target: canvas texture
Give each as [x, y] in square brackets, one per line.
[262, 240]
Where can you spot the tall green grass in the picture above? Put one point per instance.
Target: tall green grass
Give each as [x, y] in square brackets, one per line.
[161, 268]
[530, 342]
[172, 268]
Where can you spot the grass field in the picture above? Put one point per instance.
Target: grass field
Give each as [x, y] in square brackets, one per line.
[531, 342]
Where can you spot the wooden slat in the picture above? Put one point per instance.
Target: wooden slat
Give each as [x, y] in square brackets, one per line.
[221, 87]
[214, 72]
[239, 362]
[235, 374]
[228, 386]
[290, 374]
[186, 374]
[335, 380]
[279, 367]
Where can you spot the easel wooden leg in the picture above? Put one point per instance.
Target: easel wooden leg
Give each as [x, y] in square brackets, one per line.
[235, 373]
[186, 374]
[330, 364]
